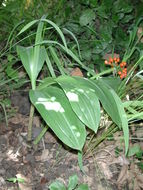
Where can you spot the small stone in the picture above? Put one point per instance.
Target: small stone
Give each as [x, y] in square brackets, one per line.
[45, 155]
[29, 158]
[2, 171]
[36, 132]
[3, 143]
[2, 182]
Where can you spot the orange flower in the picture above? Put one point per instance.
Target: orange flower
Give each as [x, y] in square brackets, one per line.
[121, 64]
[118, 59]
[106, 62]
[115, 61]
[121, 76]
[111, 59]
[124, 64]
[125, 70]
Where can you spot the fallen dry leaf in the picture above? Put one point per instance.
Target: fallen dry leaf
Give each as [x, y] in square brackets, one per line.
[136, 186]
[45, 154]
[139, 33]
[76, 72]
[26, 185]
[139, 179]
[123, 175]
[105, 169]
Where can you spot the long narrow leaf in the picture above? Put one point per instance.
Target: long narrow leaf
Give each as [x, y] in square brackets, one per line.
[71, 54]
[58, 31]
[57, 61]
[74, 37]
[27, 26]
[49, 65]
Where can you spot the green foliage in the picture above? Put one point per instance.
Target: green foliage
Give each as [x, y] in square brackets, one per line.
[101, 27]
[73, 104]
[55, 109]
[134, 150]
[80, 95]
[72, 185]
[52, 101]
[15, 180]
[9, 80]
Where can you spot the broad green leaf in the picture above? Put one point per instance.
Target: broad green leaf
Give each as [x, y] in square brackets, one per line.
[111, 103]
[27, 57]
[113, 106]
[57, 185]
[73, 181]
[83, 101]
[56, 110]
[113, 82]
[33, 57]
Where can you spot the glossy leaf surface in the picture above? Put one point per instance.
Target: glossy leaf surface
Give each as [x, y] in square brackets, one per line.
[83, 101]
[56, 110]
[111, 103]
[27, 57]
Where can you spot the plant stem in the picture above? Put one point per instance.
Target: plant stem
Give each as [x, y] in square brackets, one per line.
[42, 133]
[105, 134]
[29, 135]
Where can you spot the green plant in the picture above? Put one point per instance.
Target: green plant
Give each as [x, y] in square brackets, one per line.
[15, 180]
[105, 25]
[67, 103]
[9, 80]
[72, 185]
[131, 87]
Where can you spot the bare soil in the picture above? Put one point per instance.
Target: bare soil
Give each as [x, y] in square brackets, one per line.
[50, 160]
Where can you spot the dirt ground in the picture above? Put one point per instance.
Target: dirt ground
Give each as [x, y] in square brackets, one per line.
[50, 160]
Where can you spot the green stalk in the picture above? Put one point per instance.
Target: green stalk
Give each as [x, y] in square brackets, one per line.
[105, 134]
[6, 120]
[102, 73]
[29, 135]
[32, 109]
[42, 133]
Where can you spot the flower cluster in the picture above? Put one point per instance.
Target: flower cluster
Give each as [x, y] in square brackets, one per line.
[123, 70]
[112, 61]
[120, 67]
